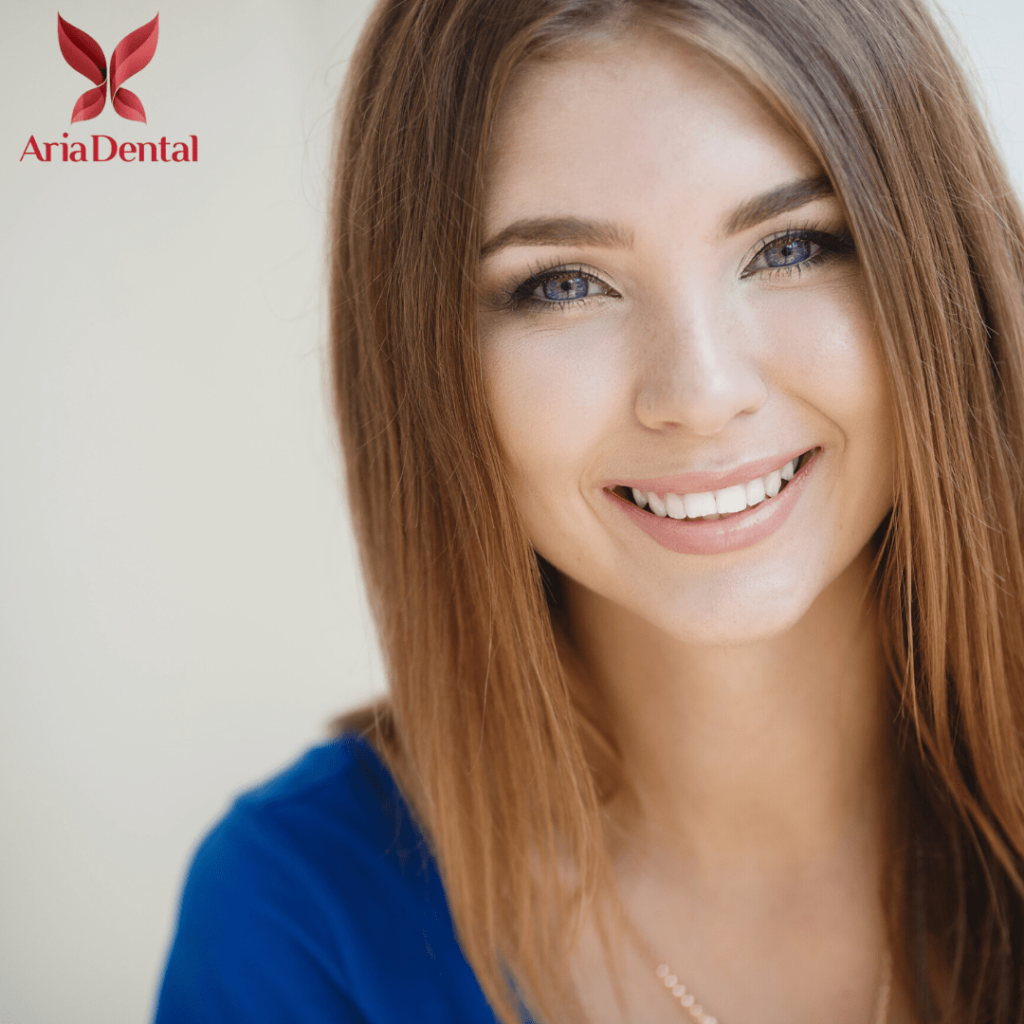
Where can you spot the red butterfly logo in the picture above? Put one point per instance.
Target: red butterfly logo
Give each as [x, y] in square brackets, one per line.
[130, 56]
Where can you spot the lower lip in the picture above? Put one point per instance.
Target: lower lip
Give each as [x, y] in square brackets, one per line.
[717, 536]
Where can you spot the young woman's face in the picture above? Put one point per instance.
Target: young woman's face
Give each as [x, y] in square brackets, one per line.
[672, 324]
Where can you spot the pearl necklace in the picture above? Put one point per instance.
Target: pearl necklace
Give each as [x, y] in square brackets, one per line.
[686, 1000]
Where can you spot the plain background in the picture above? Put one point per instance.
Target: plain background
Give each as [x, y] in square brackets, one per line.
[180, 606]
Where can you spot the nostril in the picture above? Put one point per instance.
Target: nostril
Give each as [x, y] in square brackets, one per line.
[703, 408]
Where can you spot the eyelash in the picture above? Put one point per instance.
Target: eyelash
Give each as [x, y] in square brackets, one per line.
[831, 246]
[521, 296]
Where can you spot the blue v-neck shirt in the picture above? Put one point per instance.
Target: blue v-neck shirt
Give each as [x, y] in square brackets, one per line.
[316, 901]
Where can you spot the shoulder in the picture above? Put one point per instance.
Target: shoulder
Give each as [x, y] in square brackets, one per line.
[336, 806]
[310, 898]
[327, 832]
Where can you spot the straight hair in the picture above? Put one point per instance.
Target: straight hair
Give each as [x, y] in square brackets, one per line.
[492, 730]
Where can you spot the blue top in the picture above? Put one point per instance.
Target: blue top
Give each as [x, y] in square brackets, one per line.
[317, 901]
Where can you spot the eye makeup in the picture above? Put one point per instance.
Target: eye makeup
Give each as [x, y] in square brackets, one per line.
[559, 286]
[796, 249]
[563, 286]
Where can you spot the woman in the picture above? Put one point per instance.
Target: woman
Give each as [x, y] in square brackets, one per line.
[677, 349]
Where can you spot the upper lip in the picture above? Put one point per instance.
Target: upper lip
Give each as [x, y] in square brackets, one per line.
[699, 482]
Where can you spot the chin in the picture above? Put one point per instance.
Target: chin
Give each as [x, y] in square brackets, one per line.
[737, 615]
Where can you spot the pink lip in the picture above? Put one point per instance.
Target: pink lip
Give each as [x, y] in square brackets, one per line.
[717, 536]
[696, 483]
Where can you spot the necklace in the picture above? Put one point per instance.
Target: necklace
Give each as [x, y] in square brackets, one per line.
[686, 999]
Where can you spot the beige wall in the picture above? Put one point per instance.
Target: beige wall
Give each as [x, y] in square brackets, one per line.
[179, 608]
[179, 605]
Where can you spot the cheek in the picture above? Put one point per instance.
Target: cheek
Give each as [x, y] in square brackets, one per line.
[554, 397]
[829, 360]
[823, 353]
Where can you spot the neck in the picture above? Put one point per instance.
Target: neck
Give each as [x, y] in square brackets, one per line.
[769, 753]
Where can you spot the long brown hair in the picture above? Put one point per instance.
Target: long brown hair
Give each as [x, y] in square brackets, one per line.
[492, 737]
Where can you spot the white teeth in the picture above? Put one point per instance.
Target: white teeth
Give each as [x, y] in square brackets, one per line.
[755, 492]
[700, 504]
[657, 505]
[731, 499]
[674, 506]
[712, 504]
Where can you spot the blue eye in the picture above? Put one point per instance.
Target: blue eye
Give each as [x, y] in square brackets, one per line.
[558, 288]
[795, 250]
[788, 251]
[565, 287]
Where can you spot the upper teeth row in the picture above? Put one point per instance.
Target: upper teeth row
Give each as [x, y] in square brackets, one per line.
[708, 503]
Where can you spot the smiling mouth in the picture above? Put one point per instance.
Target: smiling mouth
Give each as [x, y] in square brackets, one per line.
[720, 504]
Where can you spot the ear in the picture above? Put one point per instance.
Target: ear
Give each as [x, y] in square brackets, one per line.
[130, 56]
[84, 54]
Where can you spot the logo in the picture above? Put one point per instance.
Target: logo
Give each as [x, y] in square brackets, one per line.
[130, 56]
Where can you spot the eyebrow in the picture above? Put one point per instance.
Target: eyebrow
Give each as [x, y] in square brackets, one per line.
[573, 231]
[777, 200]
[566, 231]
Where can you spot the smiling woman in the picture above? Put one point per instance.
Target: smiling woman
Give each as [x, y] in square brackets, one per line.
[677, 347]
[701, 338]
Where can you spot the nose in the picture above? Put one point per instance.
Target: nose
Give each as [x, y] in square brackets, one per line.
[698, 371]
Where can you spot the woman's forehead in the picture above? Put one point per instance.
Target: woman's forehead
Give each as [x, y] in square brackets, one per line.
[625, 125]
